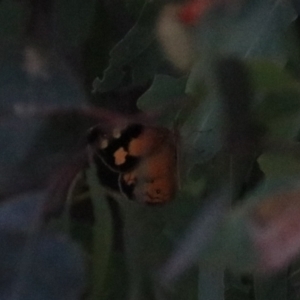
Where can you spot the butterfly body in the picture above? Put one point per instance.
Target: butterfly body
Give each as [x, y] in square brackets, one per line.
[136, 161]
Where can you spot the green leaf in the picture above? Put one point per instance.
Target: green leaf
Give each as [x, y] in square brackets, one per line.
[103, 236]
[145, 66]
[101, 39]
[277, 98]
[232, 245]
[292, 46]
[285, 128]
[117, 283]
[145, 245]
[279, 166]
[164, 97]
[182, 209]
[267, 75]
[138, 40]
[280, 113]
[203, 131]
[163, 90]
[280, 104]
[193, 188]
[255, 30]
[277, 92]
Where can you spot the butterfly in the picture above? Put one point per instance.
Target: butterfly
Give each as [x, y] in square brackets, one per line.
[137, 161]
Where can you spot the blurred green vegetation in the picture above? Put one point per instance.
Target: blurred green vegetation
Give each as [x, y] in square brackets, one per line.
[70, 65]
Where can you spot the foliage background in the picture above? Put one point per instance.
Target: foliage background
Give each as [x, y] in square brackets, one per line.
[233, 230]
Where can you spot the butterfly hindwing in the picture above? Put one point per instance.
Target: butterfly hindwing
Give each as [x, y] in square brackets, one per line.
[137, 161]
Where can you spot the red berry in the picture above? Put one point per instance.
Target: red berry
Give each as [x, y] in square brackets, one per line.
[191, 12]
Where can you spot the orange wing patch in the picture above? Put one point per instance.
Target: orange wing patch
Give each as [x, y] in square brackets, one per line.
[143, 159]
[120, 156]
[156, 176]
[149, 140]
